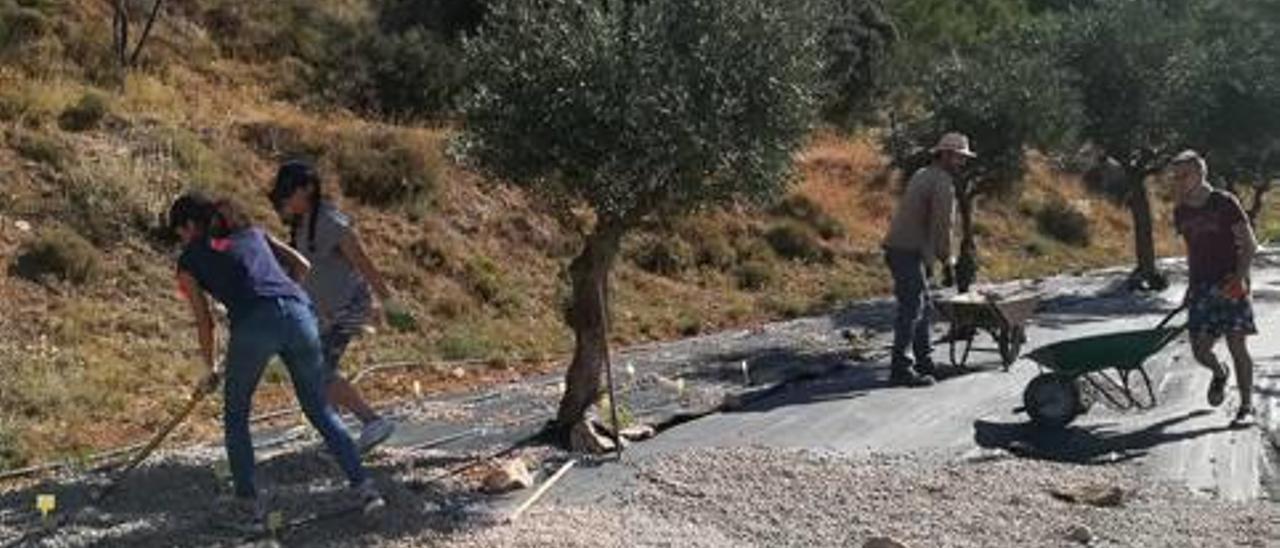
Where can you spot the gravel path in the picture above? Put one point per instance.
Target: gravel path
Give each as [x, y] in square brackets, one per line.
[770, 497]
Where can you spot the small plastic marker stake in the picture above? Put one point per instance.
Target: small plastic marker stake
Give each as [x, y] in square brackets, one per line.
[46, 504]
[680, 386]
[746, 373]
[275, 521]
[417, 389]
[631, 371]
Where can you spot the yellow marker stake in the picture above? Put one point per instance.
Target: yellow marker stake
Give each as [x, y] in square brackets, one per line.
[275, 521]
[46, 504]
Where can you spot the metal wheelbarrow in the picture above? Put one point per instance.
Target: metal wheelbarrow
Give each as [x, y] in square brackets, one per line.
[1004, 318]
[1075, 373]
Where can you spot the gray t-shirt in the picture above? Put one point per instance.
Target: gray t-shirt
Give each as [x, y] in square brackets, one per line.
[340, 293]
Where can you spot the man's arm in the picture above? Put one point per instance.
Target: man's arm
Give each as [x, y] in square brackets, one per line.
[943, 210]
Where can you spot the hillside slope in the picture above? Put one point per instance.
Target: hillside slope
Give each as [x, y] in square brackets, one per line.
[95, 347]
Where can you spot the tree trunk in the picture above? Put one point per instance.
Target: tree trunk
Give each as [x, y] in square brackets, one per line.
[146, 32]
[120, 26]
[588, 317]
[967, 262]
[1255, 208]
[1146, 275]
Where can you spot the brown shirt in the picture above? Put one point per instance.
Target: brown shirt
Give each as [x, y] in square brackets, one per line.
[925, 215]
[1212, 250]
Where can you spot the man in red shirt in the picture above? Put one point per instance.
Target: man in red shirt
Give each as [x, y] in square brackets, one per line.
[1220, 250]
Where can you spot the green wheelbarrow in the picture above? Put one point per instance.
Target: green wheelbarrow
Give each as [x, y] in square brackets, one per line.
[1076, 372]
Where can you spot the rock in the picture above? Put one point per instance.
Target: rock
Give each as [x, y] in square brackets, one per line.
[1080, 534]
[639, 432]
[511, 475]
[1102, 496]
[23, 226]
[883, 542]
[458, 373]
[584, 438]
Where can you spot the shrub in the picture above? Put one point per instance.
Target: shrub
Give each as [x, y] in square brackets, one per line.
[463, 342]
[11, 454]
[663, 255]
[413, 73]
[1063, 222]
[797, 242]
[40, 147]
[805, 210]
[103, 205]
[86, 114]
[385, 169]
[60, 253]
[755, 275]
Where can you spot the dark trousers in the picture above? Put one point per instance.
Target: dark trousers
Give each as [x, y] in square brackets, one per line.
[912, 325]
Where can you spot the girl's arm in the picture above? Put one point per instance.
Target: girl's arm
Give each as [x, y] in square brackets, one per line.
[204, 318]
[353, 250]
[293, 261]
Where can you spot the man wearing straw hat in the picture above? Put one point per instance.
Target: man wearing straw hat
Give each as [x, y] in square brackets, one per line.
[919, 234]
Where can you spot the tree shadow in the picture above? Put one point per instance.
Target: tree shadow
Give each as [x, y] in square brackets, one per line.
[1096, 444]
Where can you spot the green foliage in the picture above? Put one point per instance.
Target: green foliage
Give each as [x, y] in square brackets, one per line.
[384, 169]
[858, 44]
[803, 209]
[664, 255]
[448, 18]
[86, 114]
[60, 253]
[755, 275]
[412, 73]
[1007, 95]
[1062, 221]
[1140, 77]
[934, 28]
[40, 147]
[633, 108]
[795, 241]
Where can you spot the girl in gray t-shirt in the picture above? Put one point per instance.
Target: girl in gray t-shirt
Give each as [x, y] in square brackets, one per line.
[343, 284]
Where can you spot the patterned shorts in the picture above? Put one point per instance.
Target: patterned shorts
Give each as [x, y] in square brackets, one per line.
[1212, 313]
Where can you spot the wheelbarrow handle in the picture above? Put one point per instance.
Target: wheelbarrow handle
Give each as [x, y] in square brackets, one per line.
[1171, 315]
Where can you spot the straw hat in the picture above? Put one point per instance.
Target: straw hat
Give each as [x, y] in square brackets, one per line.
[954, 142]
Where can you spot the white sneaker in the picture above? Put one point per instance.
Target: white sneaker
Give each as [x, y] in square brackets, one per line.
[370, 498]
[374, 433]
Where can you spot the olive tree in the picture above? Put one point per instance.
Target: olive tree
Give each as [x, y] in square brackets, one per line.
[628, 110]
[1008, 95]
[1144, 96]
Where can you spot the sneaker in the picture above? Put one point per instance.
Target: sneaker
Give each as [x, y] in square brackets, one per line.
[1244, 418]
[370, 498]
[245, 515]
[927, 368]
[906, 376]
[374, 433]
[1217, 390]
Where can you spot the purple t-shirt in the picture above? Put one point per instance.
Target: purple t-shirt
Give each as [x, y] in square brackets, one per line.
[1211, 245]
[239, 271]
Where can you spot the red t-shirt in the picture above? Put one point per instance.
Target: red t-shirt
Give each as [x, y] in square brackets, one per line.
[1211, 245]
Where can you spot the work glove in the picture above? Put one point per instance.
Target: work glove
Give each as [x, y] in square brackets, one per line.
[1235, 288]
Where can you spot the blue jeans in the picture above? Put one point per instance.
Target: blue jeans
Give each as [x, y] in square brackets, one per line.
[284, 327]
[911, 327]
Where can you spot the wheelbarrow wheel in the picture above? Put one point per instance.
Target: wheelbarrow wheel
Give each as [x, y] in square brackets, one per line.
[1052, 400]
[1010, 343]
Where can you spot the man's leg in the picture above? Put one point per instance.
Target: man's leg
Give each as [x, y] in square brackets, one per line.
[1202, 344]
[908, 281]
[1237, 344]
[922, 346]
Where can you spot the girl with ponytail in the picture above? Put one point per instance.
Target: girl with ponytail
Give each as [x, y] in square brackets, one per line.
[240, 266]
[346, 287]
